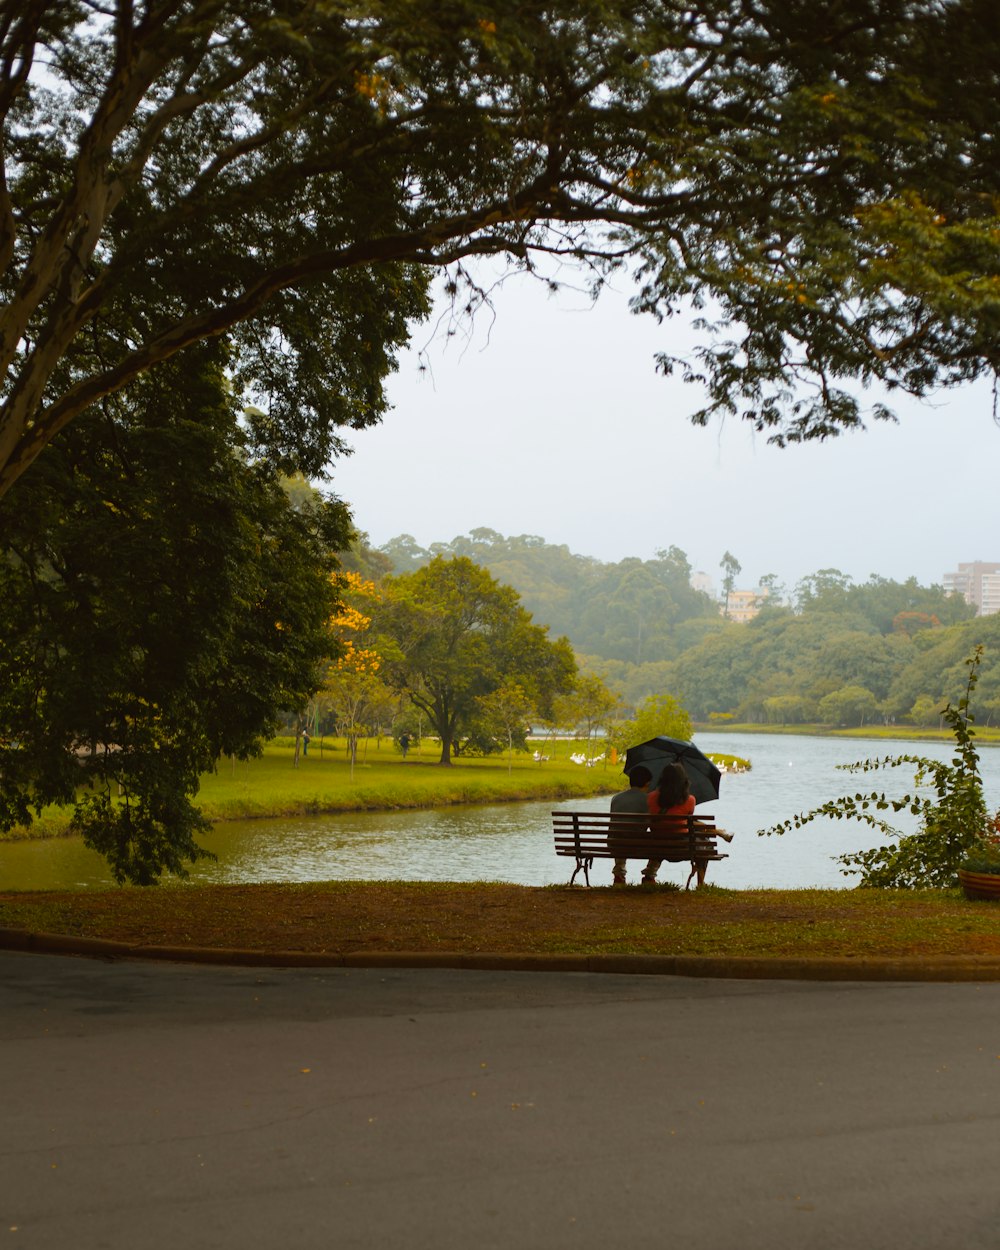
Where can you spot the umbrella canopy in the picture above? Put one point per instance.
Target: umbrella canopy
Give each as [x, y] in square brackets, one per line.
[657, 752]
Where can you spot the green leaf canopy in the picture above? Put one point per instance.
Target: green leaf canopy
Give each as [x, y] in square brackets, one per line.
[160, 601]
[820, 180]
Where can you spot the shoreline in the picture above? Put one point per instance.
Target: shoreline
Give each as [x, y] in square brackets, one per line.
[53, 830]
[986, 736]
[491, 782]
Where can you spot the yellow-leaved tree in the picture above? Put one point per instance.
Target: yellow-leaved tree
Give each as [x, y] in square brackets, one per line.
[353, 688]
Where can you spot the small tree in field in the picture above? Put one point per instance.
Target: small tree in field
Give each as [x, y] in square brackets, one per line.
[353, 689]
[505, 713]
[589, 704]
[659, 716]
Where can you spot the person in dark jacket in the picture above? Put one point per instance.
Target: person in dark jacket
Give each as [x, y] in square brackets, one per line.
[631, 800]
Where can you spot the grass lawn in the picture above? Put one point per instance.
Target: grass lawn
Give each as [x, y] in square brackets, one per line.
[272, 785]
[382, 779]
[343, 917]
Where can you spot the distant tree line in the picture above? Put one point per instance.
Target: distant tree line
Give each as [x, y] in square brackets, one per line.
[635, 611]
[830, 651]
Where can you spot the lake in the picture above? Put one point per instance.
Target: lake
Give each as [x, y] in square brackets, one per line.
[513, 841]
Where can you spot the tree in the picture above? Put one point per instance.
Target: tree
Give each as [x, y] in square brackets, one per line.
[910, 623]
[925, 711]
[713, 675]
[889, 605]
[851, 705]
[659, 715]
[788, 708]
[589, 703]
[160, 602]
[353, 688]
[452, 636]
[405, 554]
[355, 697]
[638, 604]
[854, 659]
[287, 175]
[828, 590]
[731, 568]
[773, 591]
[937, 669]
[363, 559]
[505, 711]
[614, 610]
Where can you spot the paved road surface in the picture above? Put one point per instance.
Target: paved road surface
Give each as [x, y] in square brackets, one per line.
[163, 1107]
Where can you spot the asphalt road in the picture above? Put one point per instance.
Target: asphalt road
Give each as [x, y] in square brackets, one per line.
[167, 1106]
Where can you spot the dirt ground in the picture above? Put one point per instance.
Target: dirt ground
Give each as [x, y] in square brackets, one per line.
[343, 917]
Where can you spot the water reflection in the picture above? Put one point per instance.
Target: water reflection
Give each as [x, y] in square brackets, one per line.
[513, 842]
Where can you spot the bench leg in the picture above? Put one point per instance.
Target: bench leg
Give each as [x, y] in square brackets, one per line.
[585, 864]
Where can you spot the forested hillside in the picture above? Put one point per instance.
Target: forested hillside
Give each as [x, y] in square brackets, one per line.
[634, 611]
[831, 650]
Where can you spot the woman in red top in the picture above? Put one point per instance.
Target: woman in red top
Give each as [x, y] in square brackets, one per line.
[672, 797]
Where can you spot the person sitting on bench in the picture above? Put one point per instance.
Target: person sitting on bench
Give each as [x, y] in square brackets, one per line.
[632, 800]
[672, 797]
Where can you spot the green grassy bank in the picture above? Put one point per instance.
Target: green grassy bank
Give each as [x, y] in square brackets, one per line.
[323, 781]
[382, 779]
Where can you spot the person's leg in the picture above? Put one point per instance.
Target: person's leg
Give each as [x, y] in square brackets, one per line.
[650, 871]
[618, 872]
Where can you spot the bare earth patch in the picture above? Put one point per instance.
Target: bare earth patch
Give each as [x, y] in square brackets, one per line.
[345, 917]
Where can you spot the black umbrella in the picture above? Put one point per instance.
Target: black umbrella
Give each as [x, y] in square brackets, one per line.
[657, 752]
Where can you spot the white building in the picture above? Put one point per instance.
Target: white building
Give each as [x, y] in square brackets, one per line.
[702, 581]
[978, 583]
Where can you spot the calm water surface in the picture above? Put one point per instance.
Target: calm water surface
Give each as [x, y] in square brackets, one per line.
[513, 841]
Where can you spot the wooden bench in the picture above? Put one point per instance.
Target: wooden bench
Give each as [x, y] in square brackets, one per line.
[586, 836]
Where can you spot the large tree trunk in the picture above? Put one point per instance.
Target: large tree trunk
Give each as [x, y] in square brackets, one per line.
[444, 721]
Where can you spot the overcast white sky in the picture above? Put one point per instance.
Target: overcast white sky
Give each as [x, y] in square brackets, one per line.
[553, 421]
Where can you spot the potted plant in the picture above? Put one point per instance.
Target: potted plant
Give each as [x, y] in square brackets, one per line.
[979, 872]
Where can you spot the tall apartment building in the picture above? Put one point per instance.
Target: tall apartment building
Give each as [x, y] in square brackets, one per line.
[702, 581]
[977, 583]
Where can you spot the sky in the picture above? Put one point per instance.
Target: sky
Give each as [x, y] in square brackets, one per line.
[547, 417]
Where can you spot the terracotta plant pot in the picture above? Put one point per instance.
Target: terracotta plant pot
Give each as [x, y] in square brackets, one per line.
[979, 885]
